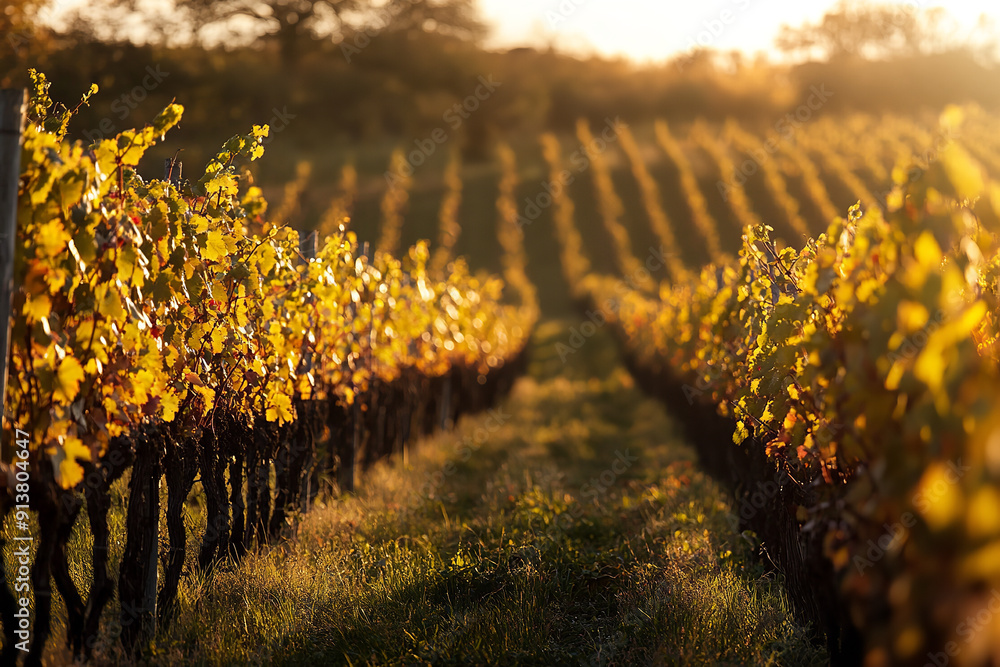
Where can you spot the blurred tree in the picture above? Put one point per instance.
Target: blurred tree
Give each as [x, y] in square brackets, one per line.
[19, 15]
[458, 18]
[868, 31]
[294, 23]
[290, 22]
[24, 35]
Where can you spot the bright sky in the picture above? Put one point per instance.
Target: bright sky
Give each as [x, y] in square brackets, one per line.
[645, 30]
[656, 29]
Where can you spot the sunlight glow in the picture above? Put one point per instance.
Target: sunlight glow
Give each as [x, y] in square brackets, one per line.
[655, 30]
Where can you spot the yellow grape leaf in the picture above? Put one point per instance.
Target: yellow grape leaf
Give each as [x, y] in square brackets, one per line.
[68, 378]
[110, 405]
[51, 238]
[240, 310]
[110, 302]
[166, 119]
[68, 472]
[220, 294]
[266, 258]
[208, 396]
[169, 402]
[218, 339]
[132, 337]
[280, 409]
[224, 182]
[215, 246]
[741, 433]
[200, 223]
[142, 384]
[37, 307]
[132, 144]
[130, 266]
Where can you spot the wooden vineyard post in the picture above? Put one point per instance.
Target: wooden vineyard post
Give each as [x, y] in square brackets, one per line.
[309, 245]
[12, 108]
[172, 169]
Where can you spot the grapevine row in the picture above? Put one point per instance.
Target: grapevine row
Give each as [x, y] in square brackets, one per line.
[857, 376]
[658, 219]
[157, 331]
[612, 210]
[692, 193]
[774, 180]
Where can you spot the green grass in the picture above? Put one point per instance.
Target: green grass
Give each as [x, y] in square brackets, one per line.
[514, 558]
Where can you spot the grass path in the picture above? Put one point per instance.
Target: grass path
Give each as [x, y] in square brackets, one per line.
[577, 531]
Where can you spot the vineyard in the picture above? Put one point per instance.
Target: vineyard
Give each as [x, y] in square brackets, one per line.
[816, 303]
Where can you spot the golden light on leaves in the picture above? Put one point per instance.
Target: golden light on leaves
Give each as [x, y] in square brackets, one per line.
[944, 501]
[983, 516]
[909, 295]
[280, 409]
[215, 246]
[68, 472]
[68, 378]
